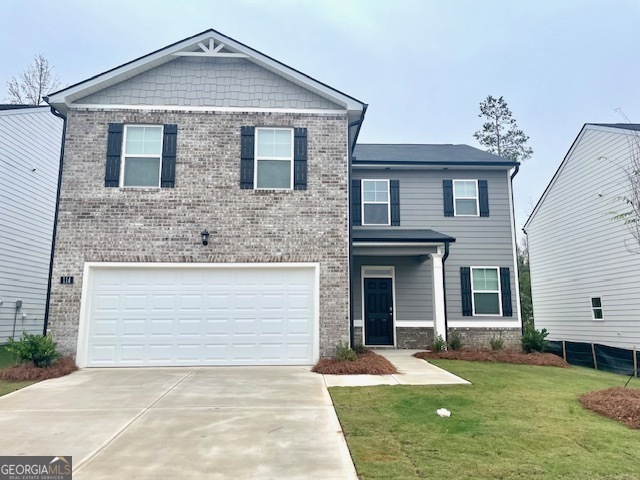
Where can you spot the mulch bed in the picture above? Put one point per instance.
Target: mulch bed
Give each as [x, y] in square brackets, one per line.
[368, 363]
[618, 403]
[28, 371]
[500, 356]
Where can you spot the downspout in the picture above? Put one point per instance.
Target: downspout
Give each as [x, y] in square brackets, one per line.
[444, 287]
[515, 172]
[55, 217]
[350, 151]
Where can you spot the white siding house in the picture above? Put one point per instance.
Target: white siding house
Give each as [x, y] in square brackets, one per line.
[30, 141]
[585, 280]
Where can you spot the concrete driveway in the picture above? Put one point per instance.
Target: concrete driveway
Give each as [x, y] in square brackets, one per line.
[149, 423]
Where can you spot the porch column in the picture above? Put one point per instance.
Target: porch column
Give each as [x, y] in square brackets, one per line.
[438, 294]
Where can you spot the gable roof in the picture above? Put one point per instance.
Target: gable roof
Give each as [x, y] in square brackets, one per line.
[587, 126]
[426, 154]
[62, 99]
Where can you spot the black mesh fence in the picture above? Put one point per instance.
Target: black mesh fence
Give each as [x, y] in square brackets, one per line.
[610, 359]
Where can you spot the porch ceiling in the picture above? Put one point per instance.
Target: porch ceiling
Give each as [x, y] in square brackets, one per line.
[397, 241]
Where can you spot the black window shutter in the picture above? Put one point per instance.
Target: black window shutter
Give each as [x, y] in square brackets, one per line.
[247, 145]
[447, 192]
[300, 159]
[394, 193]
[169, 142]
[356, 207]
[465, 289]
[483, 198]
[505, 287]
[114, 152]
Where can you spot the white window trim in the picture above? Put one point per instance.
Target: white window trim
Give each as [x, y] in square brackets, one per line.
[366, 272]
[123, 155]
[476, 198]
[473, 292]
[255, 158]
[388, 202]
[593, 313]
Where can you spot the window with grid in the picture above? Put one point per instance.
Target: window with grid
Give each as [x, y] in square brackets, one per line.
[274, 158]
[142, 156]
[465, 198]
[375, 202]
[485, 288]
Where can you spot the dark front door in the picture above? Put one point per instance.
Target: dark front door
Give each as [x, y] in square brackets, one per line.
[378, 311]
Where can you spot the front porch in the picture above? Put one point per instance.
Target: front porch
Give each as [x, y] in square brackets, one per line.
[397, 286]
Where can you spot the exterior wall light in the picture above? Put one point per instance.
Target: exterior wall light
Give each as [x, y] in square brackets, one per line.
[205, 237]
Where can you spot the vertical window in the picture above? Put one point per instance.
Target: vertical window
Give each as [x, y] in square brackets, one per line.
[375, 202]
[465, 198]
[485, 288]
[596, 308]
[142, 156]
[274, 158]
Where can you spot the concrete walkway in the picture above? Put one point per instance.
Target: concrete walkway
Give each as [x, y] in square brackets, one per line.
[413, 371]
[186, 423]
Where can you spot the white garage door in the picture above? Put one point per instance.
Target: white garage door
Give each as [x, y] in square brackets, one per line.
[155, 316]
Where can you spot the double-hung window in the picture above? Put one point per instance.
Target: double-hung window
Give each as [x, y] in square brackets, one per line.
[485, 289]
[141, 156]
[274, 158]
[465, 198]
[596, 308]
[375, 202]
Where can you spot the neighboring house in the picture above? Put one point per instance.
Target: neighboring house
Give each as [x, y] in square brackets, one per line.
[205, 219]
[30, 139]
[584, 275]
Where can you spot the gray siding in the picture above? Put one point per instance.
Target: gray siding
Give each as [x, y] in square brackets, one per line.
[213, 82]
[413, 276]
[479, 241]
[29, 138]
[577, 251]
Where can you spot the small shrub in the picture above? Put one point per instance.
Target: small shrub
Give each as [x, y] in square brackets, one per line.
[534, 340]
[38, 349]
[497, 343]
[439, 345]
[455, 341]
[345, 353]
[361, 349]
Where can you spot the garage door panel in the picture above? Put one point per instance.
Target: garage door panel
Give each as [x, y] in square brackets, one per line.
[201, 316]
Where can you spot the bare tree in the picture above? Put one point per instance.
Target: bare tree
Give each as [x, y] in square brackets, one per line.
[631, 199]
[37, 80]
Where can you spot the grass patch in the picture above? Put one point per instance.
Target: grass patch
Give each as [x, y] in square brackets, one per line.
[7, 360]
[514, 422]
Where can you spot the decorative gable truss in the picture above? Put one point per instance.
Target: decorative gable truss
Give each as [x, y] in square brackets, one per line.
[210, 49]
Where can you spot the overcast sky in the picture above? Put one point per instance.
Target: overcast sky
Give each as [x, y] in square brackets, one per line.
[422, 66]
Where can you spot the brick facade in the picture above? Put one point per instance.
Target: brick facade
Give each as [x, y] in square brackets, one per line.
[98, 224]
[481, 337]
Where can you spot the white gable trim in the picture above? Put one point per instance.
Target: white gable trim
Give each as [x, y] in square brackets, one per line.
[64, 98]
[197, 108]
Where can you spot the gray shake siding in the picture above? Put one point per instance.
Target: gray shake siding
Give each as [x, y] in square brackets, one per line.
[197, 82]
[480, 241]
[29, 158]
[98, 224]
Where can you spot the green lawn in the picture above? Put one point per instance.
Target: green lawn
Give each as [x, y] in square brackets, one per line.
[515, 421]
[6, 360]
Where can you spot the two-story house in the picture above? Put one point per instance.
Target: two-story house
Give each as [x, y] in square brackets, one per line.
[210, 214]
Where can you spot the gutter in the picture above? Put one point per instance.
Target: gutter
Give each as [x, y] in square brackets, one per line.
[513, 205]
[350, 157]
[444, 287]
[55, 217]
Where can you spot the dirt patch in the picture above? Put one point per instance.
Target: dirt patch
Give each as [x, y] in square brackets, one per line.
[500, 356]
[28, 371]
[368, 363]
[619, 403]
